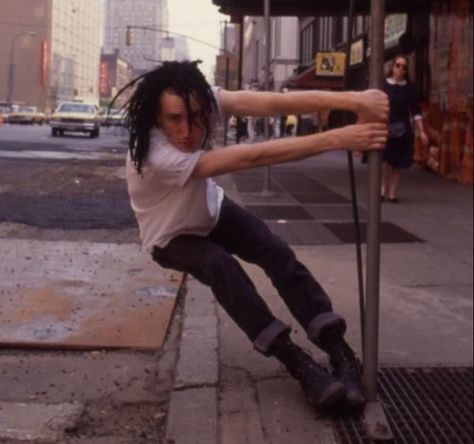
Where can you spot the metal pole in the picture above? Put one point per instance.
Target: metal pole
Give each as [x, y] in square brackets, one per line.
[11, 73]
[226, 80]
[266, 192]
[373, 220]
[239, 74]
[375, 420]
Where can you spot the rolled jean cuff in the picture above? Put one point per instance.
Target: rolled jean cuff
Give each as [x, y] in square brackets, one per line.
[268, 335]
[323, 321]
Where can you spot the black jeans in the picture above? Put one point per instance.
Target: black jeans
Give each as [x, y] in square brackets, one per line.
[209, 259]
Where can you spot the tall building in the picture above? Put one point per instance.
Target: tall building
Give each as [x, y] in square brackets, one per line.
[49, 51]
[144, 50]
[283, 53]
[75, 49]
[115, 73]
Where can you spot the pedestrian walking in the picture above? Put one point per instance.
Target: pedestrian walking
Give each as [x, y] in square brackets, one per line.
[187, 222]
[404, 106]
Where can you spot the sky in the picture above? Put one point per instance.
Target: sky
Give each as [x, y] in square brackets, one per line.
[201, 20]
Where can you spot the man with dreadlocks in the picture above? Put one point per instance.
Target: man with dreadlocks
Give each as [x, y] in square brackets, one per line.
[188, 224]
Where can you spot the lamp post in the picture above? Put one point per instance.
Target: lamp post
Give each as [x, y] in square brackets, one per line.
[11, 65]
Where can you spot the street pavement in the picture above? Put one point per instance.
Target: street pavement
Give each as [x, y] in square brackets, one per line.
[207, 384]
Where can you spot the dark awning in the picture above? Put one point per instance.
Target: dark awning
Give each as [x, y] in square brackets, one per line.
[310, 8]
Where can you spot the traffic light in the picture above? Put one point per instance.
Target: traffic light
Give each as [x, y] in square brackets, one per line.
[128, 37]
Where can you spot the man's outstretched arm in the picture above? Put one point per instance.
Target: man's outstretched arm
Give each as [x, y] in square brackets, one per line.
[360, 137]
[370, 105]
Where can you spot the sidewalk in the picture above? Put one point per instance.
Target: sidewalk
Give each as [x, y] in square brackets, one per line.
[225, 392]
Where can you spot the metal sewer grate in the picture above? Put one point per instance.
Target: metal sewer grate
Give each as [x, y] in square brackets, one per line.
[389, 233]
[274, 212]
[422, 405]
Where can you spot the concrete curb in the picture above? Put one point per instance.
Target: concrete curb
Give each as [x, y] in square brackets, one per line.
[192, 415]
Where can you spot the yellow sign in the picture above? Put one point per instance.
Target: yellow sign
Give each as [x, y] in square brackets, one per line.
[330, 64]
[357, 52]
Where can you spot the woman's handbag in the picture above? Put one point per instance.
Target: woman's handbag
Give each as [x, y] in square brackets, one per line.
[396, 130]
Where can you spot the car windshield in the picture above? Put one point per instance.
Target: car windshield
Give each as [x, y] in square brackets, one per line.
[27, 109]
[76, 108]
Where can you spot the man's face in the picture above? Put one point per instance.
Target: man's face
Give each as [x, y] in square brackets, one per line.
[173, 121]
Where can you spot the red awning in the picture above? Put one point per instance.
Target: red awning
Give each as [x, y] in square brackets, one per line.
[308, 80]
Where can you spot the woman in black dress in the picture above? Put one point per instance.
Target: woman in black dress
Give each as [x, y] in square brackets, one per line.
[404, 106]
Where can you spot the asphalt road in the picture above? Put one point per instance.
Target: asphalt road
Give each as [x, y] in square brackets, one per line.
[73, 189]
[64, 183]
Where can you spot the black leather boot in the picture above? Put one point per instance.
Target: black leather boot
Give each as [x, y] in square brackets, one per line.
[320, 388]
[347, 368]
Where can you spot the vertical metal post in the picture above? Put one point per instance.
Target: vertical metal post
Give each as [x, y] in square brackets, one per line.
[266, 192]
[374, 416]
[373, 220]
[239, 74]
[226, 80]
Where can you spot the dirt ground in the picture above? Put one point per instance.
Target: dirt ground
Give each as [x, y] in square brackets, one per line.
[84, 201]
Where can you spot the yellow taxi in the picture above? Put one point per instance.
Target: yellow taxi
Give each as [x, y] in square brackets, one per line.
[26, 115]
[75, 117]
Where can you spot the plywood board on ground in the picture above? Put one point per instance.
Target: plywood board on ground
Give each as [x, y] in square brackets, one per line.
[83, 295]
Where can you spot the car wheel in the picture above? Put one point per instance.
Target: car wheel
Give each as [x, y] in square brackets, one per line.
[54, 132]
[61, 132]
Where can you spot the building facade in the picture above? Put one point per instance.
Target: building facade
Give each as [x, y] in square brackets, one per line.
[115, 73]
[284, 57]
[75, 50]
[144, 50]
[49, 51]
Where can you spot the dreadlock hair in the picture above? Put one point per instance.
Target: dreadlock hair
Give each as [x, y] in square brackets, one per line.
[142, 108]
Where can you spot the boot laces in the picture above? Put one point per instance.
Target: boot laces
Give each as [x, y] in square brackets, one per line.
[304, 367]
[345, 363]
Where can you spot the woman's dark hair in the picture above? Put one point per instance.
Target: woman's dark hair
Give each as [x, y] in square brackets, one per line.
[142, 108]
[392, 65]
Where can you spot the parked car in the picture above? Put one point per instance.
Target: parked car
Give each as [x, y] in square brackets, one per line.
[75, 117]
[26, 115]
[5, 110]
[114, 117]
